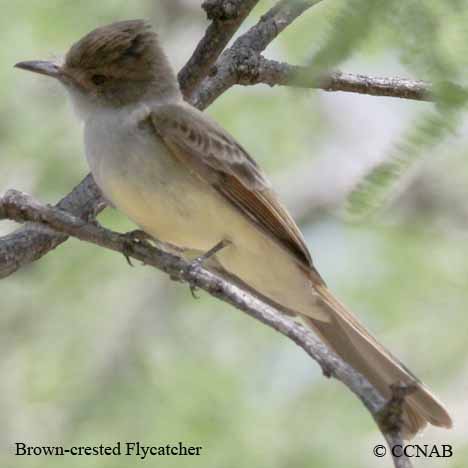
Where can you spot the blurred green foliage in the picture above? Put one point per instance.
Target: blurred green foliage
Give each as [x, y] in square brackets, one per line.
[92, 351]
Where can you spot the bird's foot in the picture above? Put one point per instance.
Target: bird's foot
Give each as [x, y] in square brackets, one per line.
[201, 259]
[135, 237]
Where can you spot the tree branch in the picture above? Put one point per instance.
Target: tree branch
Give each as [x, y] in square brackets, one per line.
[261, 70]
[226, 17]
[21, 207]
[273, 23]
[396, 444]
[31, 242]
[250, 44]
[243, 64]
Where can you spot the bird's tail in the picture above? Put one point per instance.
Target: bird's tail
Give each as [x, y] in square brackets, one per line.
[354, 344]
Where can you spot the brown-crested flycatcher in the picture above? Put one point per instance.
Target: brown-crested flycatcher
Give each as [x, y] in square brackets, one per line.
[186, 181]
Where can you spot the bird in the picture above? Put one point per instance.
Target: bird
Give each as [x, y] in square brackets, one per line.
[185, 181]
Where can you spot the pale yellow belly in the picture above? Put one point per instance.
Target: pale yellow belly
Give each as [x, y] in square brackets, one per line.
[174, 208]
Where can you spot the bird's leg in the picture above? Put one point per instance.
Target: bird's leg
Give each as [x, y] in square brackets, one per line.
[208, 254]
[201, 259]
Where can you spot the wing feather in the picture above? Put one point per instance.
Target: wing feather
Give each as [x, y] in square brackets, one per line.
[210, 153]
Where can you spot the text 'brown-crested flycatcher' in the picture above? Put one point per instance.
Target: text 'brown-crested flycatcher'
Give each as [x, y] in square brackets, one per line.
[186, 181]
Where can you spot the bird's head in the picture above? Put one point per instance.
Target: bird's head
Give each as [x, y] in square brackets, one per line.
[112, 66]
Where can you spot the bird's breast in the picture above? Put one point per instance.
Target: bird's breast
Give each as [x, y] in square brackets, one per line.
[140, 177]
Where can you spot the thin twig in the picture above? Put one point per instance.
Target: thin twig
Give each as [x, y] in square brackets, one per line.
[250, 44]
[31, 242]
[396, 445]
[273, 23]
[270, 72]
[226, 17]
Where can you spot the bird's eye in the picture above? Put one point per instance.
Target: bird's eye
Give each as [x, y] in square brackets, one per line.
[98, 79]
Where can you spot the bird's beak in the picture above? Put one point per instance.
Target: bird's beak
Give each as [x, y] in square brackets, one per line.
[42, 67]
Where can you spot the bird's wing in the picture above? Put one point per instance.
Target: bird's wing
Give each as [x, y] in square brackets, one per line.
[210, 153]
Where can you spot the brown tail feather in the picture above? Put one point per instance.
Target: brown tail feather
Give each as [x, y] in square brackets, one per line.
[351, 341]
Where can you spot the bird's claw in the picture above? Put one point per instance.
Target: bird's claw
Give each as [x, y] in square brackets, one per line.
[134, 237]
[193, 291]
